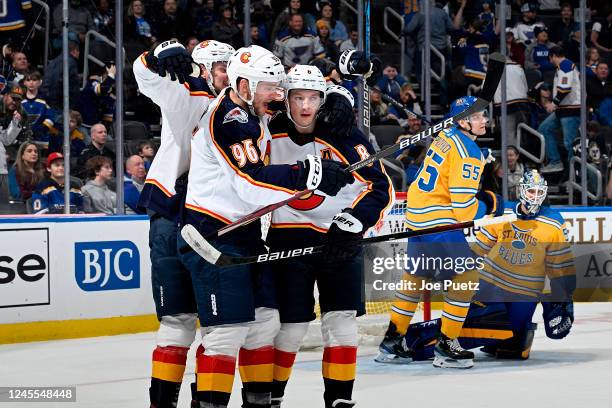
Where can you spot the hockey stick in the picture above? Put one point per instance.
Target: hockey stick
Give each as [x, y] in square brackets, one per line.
[391, 101]
[495, 69]
[203, 248]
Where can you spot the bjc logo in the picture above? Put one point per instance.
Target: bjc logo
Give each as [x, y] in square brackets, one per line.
[107, 265]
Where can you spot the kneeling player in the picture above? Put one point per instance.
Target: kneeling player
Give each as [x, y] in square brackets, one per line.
[316, 220]
[520, 255]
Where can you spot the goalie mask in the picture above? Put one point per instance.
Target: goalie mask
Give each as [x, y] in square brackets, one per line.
[532, 191]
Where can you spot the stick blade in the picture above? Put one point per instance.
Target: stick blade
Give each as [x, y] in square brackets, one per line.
[495, 70]
[197, 242]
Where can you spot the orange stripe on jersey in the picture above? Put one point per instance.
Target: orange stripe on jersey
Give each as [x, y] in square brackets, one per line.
[339, 372]
[218, 364]
[208, 212]
[246, 177]
[142, 58]
[215, 382]
[197, 93]
[159, 185]
[340, 355]
[279, 135]
[263, 355]
[298, 225]
[168, 371]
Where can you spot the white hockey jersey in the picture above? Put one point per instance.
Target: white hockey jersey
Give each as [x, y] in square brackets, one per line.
[566, 92]
[516, 85]
[182, 106]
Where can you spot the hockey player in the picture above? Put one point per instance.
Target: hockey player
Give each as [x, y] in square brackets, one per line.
[445, 192]
[229, 179]
[320, 219]
[521, 255]
[182, 105]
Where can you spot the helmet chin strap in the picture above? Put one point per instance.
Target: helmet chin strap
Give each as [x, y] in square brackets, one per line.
[474, 135]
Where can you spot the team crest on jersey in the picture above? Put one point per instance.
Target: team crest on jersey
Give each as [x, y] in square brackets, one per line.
[236, 114]
[521, 238]
[564, 80]
[245, 57]
[203, 44]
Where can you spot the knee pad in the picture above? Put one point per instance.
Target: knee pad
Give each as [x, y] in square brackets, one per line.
[290, 336]
[339, 328]
[225, 340]
[177, 330]
[264, 329]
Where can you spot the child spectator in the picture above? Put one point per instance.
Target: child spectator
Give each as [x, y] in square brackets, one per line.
[26, 173]
[97, 100]
[48, 197]
[147, 152]
[79, 137]
[536, 55]
[133, 182]
[41, 117]
[97, 197]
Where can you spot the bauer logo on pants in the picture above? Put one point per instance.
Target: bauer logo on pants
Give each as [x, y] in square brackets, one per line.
[107, 265]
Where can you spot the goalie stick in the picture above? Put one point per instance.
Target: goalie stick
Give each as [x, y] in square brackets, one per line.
[495, 69]
[203, 248]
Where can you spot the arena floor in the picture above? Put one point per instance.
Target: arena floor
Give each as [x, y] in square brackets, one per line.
[113, 372]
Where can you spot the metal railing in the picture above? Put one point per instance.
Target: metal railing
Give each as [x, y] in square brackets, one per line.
[573, 185]
[519, 135]
[45, 29]
[349, 6]
[400, 170]
[400, 39]
[88, 57]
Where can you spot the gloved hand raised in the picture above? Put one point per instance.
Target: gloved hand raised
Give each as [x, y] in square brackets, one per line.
[327, 176]
[170, 57]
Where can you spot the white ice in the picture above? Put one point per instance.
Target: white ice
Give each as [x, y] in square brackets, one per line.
[114, 372]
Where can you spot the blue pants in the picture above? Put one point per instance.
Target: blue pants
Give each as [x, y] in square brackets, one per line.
[170, 280]
[569, 126]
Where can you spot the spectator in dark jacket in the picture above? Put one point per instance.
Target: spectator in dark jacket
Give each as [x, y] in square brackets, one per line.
[97, 147]
[598, 87]
[226, 29]
[54, 78]
[172, 23]
[561, 30]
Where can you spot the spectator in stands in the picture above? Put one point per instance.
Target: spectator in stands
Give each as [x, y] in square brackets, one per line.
[516, 99]
[137, 26]
[598, 87]
[103, 18]
[601, 35]
[226, 29]
[515, 171]
[536, 55]
[282, 20]
[41, 117]
[15, 15]
[97, 197]
[26, 173]
[564, 110]
[133, 183]
[205, 18]
[350, 43]
[52, 86]
[561, 30]
[473, 50]
[147, 152]
[572, 49]
[20, 66]
[191, 43]
[337, 28]
[540, 98]
[7, 137]
[97, 147]
[592, 59]
[96, 99]
[523, 30]
[330, 47]
[11, 103]
[515, 50]
[391, 81]
[296, 45]
[412, 158]
[48, 197]
[408, 99]
[172, 23]
[378, 109]
[257, 38]
[79, 136]
[80, 19]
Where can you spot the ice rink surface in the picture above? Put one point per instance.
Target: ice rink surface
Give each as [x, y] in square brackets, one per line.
[114, 372]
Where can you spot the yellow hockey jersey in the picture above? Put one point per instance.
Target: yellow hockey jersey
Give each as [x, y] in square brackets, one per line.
[444, 191]
[521, 254]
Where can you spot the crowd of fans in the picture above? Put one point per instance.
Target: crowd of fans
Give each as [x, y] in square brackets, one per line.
[539, 38]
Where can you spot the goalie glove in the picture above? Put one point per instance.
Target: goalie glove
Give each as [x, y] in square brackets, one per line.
[353, 63]
[327, 176]
[558, 319]
[170, 57]
[343, 236]
[494, 202]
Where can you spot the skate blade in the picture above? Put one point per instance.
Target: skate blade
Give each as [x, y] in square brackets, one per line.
[391, 359]
[445, 362]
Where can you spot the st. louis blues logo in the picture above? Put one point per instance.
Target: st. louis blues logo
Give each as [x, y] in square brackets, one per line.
[520, 236]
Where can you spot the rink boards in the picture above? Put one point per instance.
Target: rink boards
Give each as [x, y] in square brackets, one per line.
[84, 276]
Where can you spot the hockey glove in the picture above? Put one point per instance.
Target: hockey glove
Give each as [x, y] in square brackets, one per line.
[558, 319]
[170, 57]
[353, 63]
[493, 201]
[336, 116]
[343, 236]
[487, 155]
[327, 176]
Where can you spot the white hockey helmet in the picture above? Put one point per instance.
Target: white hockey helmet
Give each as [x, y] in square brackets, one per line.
[340, 90]
[255, 64]
[208, 52]
[306, 77]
